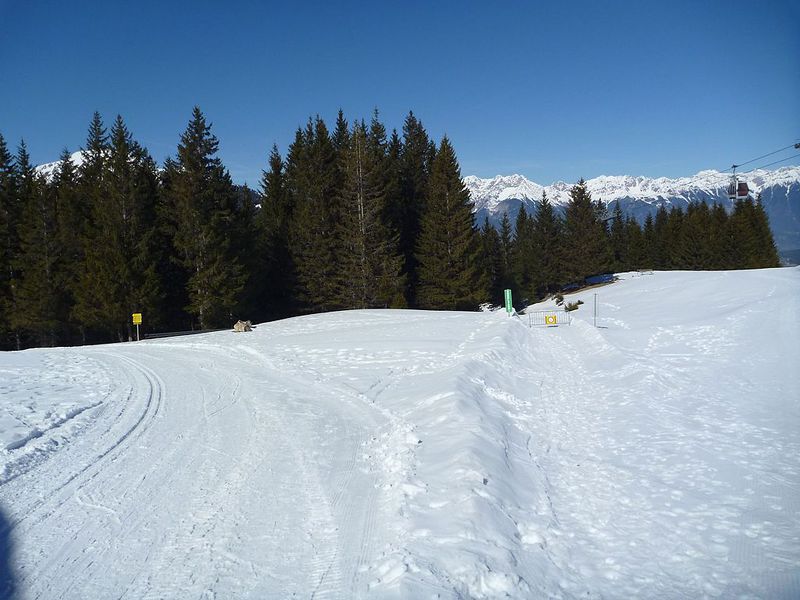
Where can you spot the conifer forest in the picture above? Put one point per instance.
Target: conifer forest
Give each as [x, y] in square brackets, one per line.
[349, 217]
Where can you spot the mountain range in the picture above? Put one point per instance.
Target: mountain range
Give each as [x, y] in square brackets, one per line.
[640, 196]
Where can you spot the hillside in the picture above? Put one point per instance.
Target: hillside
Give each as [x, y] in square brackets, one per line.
[412, 454]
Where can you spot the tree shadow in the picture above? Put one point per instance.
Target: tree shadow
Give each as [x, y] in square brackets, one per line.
[8, 585]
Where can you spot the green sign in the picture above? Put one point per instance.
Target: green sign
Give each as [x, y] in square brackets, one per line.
[509, 306]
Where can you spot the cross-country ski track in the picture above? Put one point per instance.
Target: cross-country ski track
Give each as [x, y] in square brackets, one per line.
[413, 454]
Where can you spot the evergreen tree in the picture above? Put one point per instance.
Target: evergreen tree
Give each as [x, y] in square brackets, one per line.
[585, 246]
[273, 221]
[659, 249]
[120, 273]
[522, 276]
[38, 300]
[636, 250]
[73, 217]
[312, 175]
[203, 204]
[491, 258]
[369, 266]
[548, 244]
[694, 248]
[416, 160]
[618, 241]
[448, 250]
[9, 243]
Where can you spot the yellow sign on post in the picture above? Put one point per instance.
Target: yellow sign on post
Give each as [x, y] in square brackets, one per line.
[137, 320]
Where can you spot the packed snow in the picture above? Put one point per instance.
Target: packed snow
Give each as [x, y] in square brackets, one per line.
[411, 454]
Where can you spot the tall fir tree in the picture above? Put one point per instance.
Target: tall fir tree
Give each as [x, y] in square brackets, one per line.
[524, 271]
[585, 243]
[415, 169]
[312, 174]
[369, 266]
[450, 273]
[548, 243]
[492, 260]
[203, 206]
[9, 244]
[273, 222]
[39, 297]
[120, 274]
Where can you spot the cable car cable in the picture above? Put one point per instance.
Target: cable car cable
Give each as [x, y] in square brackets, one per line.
[765, 155]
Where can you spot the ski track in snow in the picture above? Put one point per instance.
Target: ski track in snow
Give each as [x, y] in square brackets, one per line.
[410, 454]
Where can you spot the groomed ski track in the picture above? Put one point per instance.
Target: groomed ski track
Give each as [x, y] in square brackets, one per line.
[409, 454]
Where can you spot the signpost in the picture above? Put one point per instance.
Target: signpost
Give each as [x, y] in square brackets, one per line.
[509, 306]
[137, 320]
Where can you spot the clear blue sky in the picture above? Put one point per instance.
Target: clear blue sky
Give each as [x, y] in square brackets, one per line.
[554, 91]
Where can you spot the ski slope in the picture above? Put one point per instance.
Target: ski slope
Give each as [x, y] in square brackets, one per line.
[411, 454]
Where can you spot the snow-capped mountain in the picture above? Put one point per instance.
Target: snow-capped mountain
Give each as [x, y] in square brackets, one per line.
[640, 196]
[48, 170]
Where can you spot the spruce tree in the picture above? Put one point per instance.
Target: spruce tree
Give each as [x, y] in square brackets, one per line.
[523, 274]
[38, 298]
[618, 241]
[312, 173]
[416, 159]
[273, 222]
[491, 258]
[203, 206]
[120, 274]
[447, 250]
[585, 244]
[548, 244]
[9, 243]
[368, 274]
[73, 218]
[636, 253]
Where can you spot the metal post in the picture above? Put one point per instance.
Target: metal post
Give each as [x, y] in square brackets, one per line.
[595, 310]
[137, 332]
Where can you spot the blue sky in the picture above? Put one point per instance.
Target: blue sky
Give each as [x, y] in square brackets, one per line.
[554, 91]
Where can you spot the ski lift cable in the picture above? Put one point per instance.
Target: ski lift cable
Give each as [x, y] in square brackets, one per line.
[770, 164]
[766, 155]
[719, 172]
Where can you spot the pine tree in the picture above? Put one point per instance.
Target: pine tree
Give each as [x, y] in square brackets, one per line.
[73, 217]
[312, 173]
[548, 244]
[524, 274]
[448, 250]
[416, 160]
[659, 249]
[273, 222]
[618, 241]
[694, 247]
[39, 296]
[203, 202]
[120, 274]
[491, 258]
[585, 245]
[9, 244]
[369, 266]
[636, 250]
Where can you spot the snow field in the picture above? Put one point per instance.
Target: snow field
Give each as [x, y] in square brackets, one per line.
[411, 454]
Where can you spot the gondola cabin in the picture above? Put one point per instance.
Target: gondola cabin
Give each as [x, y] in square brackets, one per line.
[738, 190]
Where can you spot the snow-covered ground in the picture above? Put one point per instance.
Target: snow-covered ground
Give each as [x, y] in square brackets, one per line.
[409, 454]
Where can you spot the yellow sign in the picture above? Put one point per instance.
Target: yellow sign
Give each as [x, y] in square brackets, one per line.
[137, 318]
[550, 320]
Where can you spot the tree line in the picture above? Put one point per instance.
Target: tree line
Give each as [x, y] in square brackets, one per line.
[542, 253]
[353, 217]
